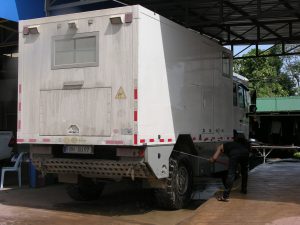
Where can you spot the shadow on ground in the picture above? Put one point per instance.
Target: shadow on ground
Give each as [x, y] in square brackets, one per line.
[118, 199]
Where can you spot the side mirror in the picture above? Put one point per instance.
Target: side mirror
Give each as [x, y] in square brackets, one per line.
[253, 97]
[252, 108]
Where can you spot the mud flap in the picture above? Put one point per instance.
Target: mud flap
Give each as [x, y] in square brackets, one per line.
[157, 157]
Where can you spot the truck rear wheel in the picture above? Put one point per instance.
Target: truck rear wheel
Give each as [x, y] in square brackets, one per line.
[178, 186]
[85, 190]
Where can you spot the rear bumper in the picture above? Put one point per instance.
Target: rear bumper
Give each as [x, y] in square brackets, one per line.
[93, 168]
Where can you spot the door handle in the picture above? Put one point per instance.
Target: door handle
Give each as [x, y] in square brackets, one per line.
[73, 84]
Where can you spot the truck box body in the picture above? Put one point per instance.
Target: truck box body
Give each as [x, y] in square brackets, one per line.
[124, 93]
[122, 76]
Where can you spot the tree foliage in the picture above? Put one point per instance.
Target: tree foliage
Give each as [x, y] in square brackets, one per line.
[266, 75]
[292, 69]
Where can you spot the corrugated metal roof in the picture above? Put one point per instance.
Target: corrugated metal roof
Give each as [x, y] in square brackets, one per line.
[231, 22]
[278, 104]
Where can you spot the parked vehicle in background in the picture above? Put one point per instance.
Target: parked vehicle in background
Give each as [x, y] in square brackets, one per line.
[7, 141]
[123, 93]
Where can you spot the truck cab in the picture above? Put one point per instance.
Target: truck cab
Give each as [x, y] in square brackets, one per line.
[241, 104]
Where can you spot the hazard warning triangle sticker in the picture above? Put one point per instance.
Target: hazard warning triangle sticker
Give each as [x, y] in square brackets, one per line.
[120, 94]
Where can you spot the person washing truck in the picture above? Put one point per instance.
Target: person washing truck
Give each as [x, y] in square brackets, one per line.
[238, 153]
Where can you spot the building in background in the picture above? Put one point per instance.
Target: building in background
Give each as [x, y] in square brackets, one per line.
[277, 120]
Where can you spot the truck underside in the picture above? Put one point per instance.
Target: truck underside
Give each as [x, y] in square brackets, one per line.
[88, 173]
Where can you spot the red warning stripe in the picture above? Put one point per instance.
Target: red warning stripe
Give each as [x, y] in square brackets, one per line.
[19, 107]
[161, 140]
[170, 140]
[20, 88]
[46, 140]
[20, 140]
[135, 117]
[135, 94]
[142, 141]
[114, 142]
[135, 139]
[151, 140]
[32, 140]
[19, 124]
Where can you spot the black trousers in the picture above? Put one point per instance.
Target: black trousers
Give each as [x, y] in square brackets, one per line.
[234, 162]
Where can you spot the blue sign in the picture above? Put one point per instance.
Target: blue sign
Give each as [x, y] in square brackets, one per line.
[16, 10]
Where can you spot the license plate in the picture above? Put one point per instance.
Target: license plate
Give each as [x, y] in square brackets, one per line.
[78, 149]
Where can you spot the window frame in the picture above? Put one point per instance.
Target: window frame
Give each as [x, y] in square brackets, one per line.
[235, 95]
[226, 56]
[74, 37]
[241, 87]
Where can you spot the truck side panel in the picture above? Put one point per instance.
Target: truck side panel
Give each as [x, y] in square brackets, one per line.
[182, 89]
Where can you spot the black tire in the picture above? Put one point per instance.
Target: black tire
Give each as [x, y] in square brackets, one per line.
[178, 186]
[85, 190]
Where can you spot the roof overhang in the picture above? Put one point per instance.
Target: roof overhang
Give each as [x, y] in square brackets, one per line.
[11, 11]
[16, 10]
[250, 23]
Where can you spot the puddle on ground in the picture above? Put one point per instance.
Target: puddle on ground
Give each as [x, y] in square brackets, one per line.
[206, 191]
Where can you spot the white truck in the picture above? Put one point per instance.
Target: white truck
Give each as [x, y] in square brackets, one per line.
[123, 93]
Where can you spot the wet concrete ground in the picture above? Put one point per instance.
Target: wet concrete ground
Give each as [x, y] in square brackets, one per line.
[273, 199]
[121, 203]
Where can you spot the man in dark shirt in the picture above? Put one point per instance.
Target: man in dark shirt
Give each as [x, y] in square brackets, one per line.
[238, 153]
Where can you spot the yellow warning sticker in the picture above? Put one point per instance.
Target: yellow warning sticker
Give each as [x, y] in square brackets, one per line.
[120, 94]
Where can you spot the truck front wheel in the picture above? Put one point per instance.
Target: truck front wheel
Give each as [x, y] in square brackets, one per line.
[85, 190]
[178, 186]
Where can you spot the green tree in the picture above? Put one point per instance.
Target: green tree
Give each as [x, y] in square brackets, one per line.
[265, 75]
[292, 69]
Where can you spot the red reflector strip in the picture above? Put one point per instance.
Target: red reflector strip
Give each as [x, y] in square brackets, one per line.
[170, 140]
[205, 139]
[20, 140]
[32, 140]
[128, 17]
[113, 142]
[142, 141]
[19, 108]
[141, 153]
[135, 139]
[151, 140]
[135, 94]
[161, 140]
[46, 140]
[19, 124]
[194, 138]
[20, 88]
[135, 116]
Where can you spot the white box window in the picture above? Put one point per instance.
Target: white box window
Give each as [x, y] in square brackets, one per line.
[226, 64]
[79, 50]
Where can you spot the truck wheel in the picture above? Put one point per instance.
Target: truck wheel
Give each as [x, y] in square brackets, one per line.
[85, 190]
[178, 186]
